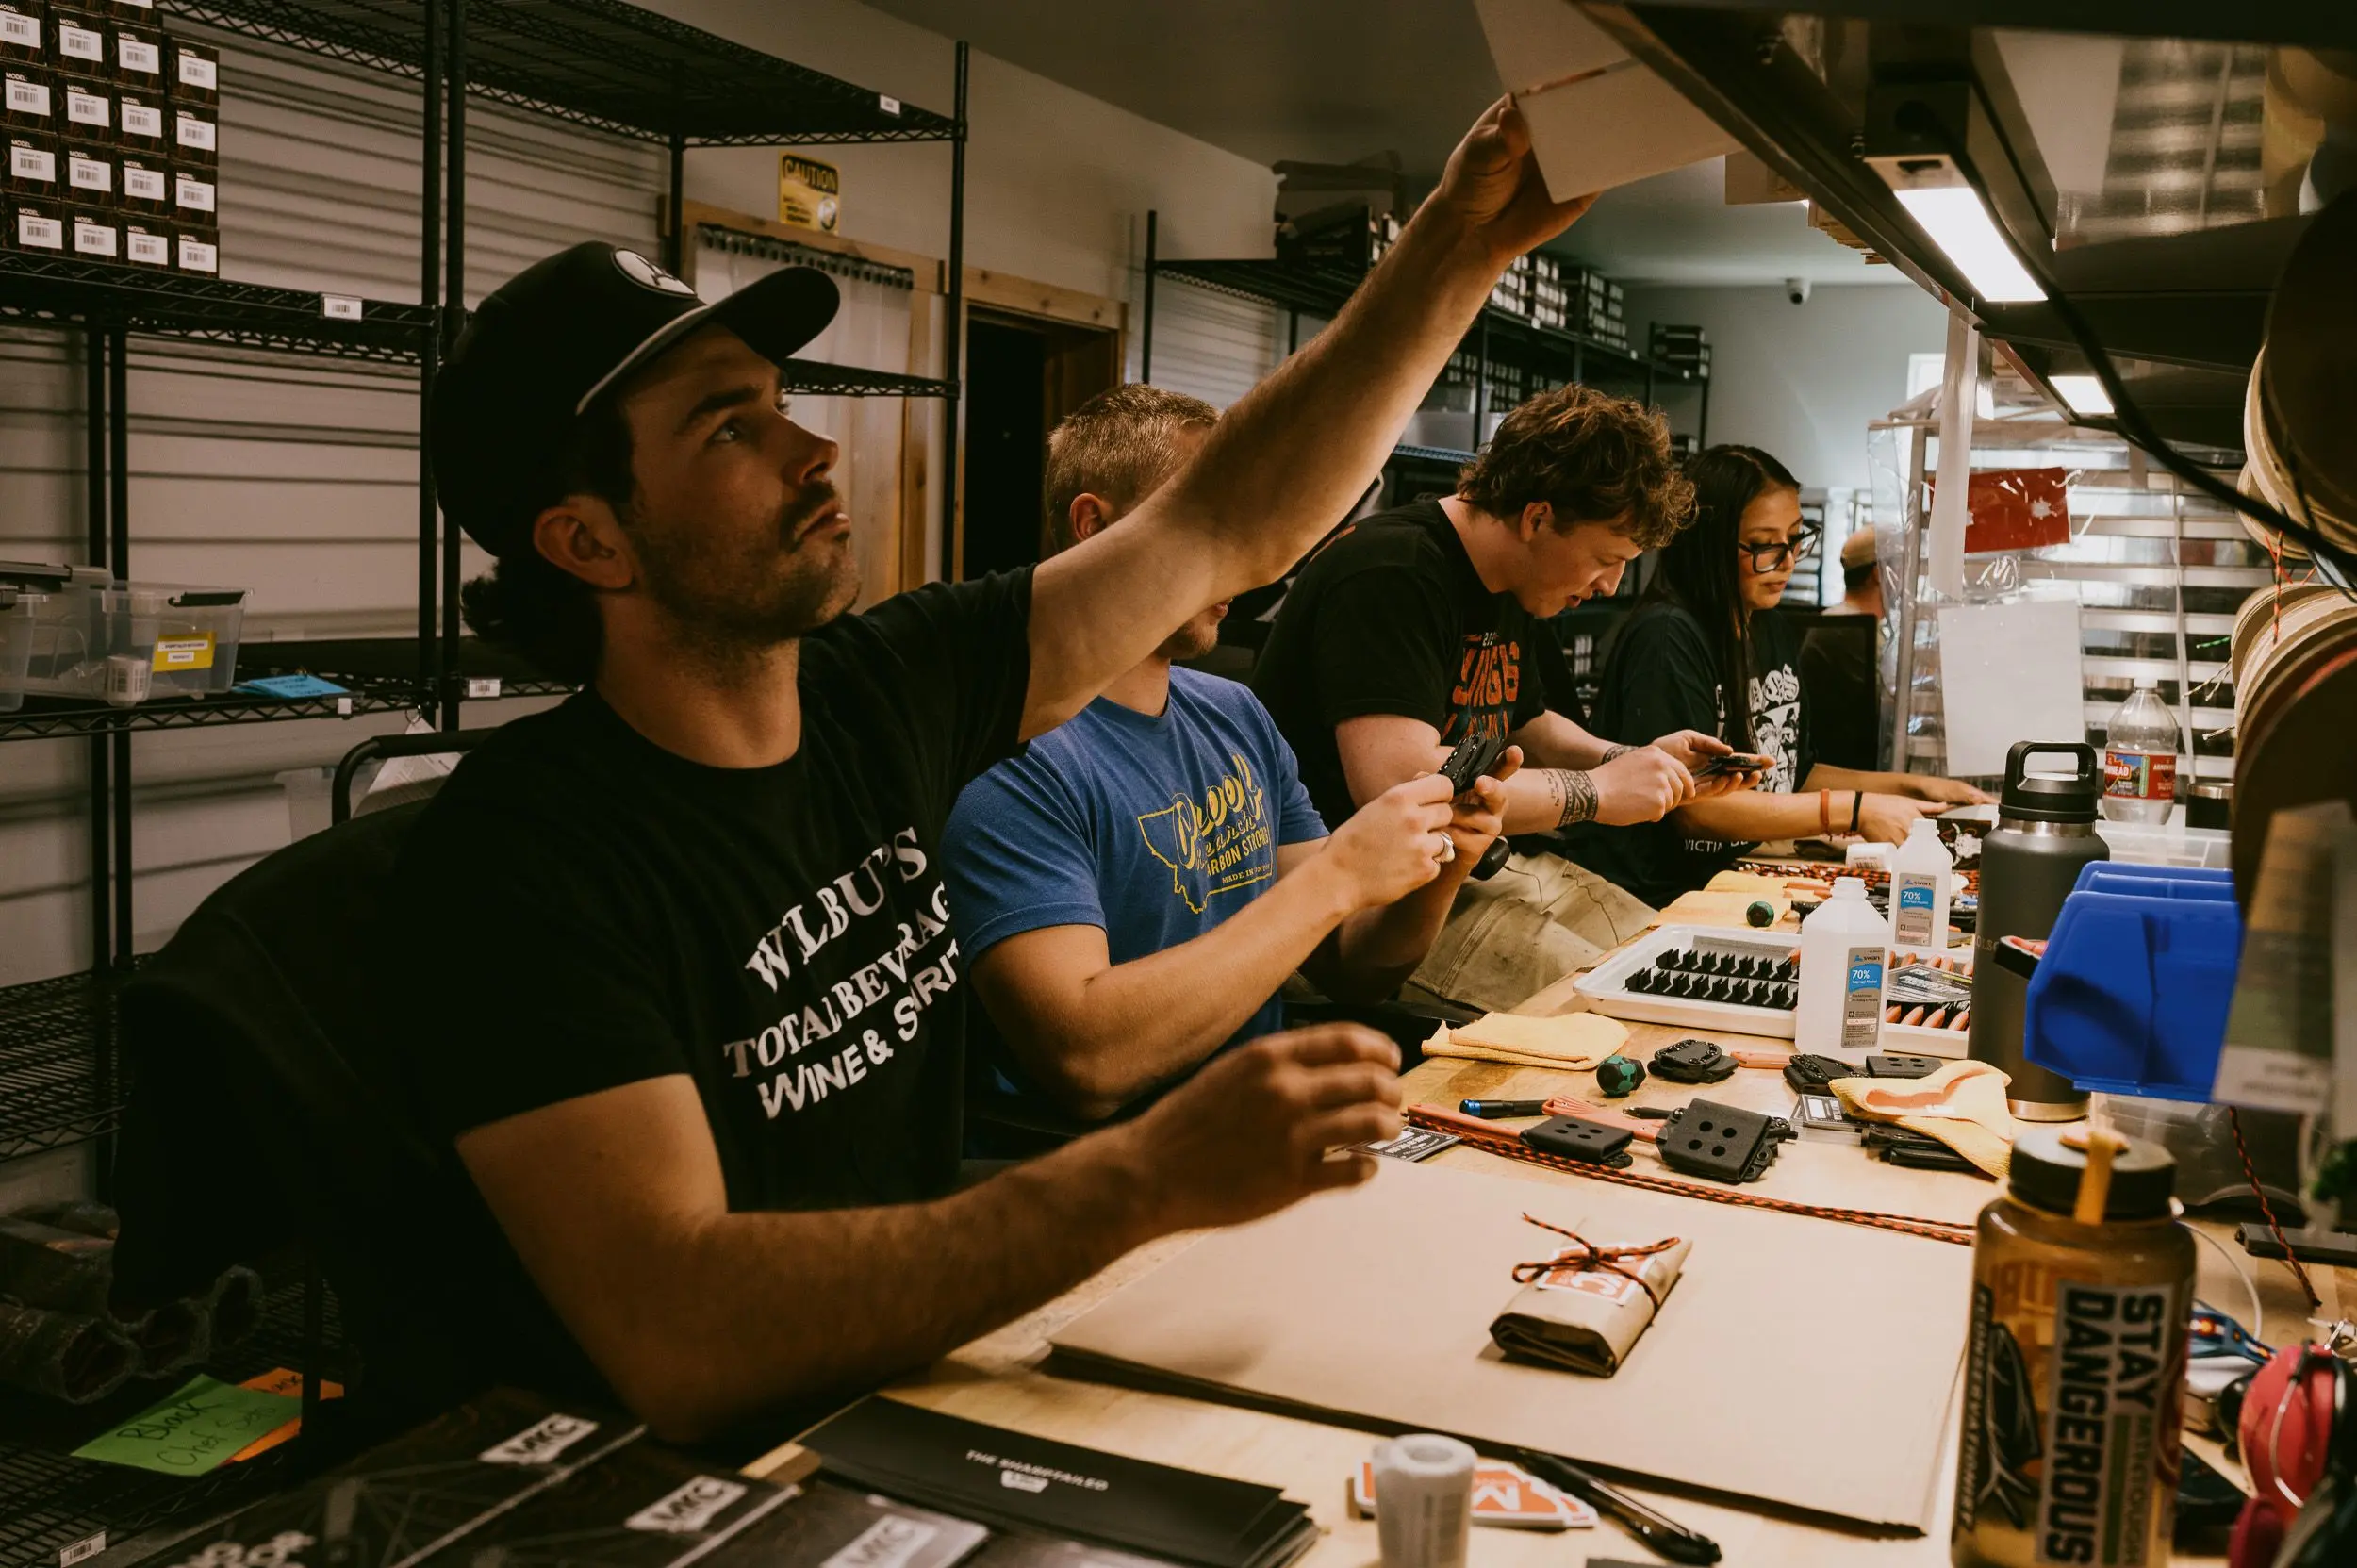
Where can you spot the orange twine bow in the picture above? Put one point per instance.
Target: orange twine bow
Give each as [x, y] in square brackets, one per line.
[1587, 1256]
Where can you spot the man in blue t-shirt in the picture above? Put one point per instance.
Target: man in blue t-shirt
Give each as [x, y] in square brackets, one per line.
[1134, 887]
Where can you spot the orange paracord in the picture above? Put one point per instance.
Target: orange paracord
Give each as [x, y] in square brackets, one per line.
[1499, 1141]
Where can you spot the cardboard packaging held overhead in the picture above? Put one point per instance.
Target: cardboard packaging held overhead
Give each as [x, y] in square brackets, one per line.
[1597, 117]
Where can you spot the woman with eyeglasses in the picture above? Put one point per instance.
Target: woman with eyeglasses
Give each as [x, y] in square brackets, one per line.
[1705, 649]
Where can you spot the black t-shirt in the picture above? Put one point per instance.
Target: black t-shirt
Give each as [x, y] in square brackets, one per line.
[1390, 617]
[581, 909]
[1662, 676]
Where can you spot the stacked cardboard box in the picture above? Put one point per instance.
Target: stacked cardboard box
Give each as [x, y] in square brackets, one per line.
[112, 133]
[1681, 348]
[1593, 307]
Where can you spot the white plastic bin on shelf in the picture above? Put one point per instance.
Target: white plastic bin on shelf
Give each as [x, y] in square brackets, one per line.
[186, 635]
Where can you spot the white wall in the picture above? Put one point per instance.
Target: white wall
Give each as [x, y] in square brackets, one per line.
[1058, 183]
[1802, 381]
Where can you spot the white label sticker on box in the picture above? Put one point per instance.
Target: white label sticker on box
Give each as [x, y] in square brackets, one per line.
[197, 256]
[192, 132]
[27, 97]
[81, 43]
[34, 232]
[153, 249]
[143, 120]
[95, 239]
[86, 109]
[887, 103]
[89, 173]
[190, 191]
[196, 70]
[142, 184]
[31, 163]
[137, 53]
[688, 1508]
[340, 307]
[539, 1442]
[173, 653]
[20, 29]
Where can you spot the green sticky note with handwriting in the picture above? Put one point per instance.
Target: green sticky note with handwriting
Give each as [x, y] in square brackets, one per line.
[193, 1431]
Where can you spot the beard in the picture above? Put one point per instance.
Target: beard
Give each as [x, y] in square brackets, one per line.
[1193, 639]
[729, 604]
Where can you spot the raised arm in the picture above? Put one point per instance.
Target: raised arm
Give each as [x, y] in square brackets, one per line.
[1288, 459]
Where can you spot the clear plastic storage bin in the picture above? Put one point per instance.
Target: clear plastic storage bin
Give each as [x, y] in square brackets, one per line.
[16, 648]
[65, 642]
[186, 637]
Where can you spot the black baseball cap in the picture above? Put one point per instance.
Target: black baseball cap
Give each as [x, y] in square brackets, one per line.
[554, 336]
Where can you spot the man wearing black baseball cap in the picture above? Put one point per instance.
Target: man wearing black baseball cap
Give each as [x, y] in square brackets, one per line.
[704, 1063]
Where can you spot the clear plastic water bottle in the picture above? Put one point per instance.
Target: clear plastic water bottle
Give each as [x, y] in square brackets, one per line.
[2141, 757]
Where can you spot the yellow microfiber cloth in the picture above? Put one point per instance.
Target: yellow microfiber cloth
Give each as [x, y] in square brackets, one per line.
[1571, 1043]
[1963, 1105]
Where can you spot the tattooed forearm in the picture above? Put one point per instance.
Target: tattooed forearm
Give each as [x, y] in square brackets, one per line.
[1611, 752]
[1574, 796]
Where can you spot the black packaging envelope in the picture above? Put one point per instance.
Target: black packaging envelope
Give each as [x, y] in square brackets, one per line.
[990, 1473]
[425, 1493]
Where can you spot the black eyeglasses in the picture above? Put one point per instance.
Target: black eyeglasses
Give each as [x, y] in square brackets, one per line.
[1772, 557]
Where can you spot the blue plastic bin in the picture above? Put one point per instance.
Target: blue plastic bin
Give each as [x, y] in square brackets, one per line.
[2133, 993]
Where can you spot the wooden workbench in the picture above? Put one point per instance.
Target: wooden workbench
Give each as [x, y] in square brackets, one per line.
[998, 1378]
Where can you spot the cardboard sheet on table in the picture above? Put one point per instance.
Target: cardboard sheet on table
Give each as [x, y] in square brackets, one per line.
[1374, 1305]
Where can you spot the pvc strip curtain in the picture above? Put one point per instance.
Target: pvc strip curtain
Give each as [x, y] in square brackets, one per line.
[870, 331]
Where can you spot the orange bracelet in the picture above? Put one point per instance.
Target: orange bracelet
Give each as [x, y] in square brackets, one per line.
[1824, 812]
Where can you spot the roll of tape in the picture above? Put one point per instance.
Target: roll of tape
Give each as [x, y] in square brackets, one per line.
[1423, 1500]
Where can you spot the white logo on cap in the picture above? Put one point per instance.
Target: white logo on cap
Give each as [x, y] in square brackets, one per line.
[648, 276]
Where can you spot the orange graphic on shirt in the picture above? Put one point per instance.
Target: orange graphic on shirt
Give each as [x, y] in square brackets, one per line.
[1488, 680]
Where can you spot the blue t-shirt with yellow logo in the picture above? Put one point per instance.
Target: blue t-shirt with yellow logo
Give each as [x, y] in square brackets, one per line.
[1154, 827]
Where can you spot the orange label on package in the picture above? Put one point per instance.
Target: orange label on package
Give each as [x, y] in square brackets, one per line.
[174, 654]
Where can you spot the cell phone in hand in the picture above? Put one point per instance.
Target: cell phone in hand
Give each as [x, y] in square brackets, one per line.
[1734, 762]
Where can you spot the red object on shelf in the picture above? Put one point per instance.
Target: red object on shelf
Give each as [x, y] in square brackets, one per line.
[2016, 509]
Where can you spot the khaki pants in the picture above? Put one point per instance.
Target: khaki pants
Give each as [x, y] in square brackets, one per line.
[1539, 919]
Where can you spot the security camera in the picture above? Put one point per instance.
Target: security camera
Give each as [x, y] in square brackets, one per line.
[1796, 289]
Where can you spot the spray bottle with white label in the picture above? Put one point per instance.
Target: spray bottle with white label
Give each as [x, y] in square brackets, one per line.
[1922, 872]
[1843, 947]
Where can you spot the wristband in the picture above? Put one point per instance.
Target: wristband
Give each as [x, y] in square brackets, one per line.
[1824, 812]
[1857, 805]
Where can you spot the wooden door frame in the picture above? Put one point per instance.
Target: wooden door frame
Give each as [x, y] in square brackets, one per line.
[1001, 292]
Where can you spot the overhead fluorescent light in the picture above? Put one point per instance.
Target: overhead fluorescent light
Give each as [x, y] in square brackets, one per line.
[2083, 394]
[1959, 223]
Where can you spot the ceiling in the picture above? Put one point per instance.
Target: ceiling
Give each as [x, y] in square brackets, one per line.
[1332, 80]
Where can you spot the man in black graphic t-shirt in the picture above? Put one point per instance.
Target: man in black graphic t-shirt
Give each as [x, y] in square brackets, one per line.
[1416, 627]
[702, 1065]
